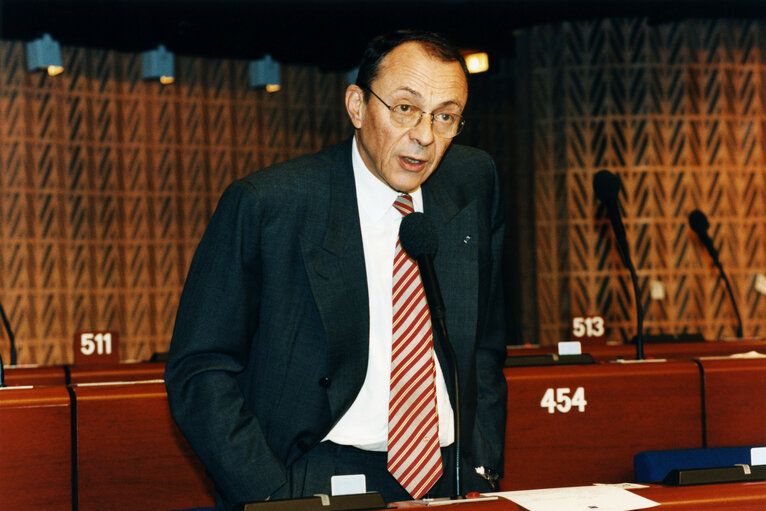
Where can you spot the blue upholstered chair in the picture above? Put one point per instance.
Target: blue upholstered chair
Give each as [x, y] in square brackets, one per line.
[652, 466]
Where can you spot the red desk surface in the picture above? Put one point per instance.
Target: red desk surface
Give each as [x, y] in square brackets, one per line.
[35, 449]
[131, 455]
[735, 401]
[631, 407]
[671, 350]
[713, 497]
[38, 376]
[127, 372]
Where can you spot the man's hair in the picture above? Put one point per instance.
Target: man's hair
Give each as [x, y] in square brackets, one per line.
[435, 44]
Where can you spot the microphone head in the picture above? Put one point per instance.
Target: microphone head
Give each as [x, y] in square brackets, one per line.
[698, 221]
[417, 235]
[606, 185]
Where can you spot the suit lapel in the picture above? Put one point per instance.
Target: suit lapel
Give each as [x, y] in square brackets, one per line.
[336, 273]
[456, 266]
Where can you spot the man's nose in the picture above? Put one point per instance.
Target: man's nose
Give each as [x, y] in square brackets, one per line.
[423, 131]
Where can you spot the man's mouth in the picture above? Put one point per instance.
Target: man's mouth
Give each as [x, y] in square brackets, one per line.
[413, 160]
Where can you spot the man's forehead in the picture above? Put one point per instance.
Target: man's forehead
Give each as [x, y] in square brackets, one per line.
[412, 65]
[414, 52]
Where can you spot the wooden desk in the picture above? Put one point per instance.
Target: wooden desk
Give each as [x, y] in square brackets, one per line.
[735, 401]
[713, 497]
[671, 350]
[35, 449]
[125, 372]
[631, 407]
[131, 455]
[38, 376]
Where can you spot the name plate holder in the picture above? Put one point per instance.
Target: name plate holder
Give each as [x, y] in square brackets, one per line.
[715, 475]
[358, 502]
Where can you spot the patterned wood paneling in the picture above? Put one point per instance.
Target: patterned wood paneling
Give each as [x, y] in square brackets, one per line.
[678, 112]
[107, 183]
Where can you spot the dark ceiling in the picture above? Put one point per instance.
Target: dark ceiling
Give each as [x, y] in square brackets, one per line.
[327, 33]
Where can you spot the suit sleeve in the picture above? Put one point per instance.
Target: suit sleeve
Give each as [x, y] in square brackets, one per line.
[216, 321]
[489, 426]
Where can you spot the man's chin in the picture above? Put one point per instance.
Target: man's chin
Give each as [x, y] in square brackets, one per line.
[407, 186]
[406, 181]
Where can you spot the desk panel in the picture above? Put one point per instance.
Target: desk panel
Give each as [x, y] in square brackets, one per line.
[35, 449]
[630, 407]
[712, 497]
[125, 372]
[130, 453]
[735, 401]
[38, 376]
[602, 352]
[709, 497]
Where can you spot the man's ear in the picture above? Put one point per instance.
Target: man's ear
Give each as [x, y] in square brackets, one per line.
[355, 105]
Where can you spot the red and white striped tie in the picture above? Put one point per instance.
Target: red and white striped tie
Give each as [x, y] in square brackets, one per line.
[414, 457]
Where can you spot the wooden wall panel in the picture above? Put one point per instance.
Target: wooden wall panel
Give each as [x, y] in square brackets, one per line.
[107, 183]
[677, 112]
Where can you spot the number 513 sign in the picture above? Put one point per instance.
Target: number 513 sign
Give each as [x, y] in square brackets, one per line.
[588, 328]
[101, 347]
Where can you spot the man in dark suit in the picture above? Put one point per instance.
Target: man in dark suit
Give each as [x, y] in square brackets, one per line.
[280, 359]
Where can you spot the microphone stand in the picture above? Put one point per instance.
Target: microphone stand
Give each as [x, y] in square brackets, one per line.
[731, 295]
[639, 315]
[436, 307]
[450, 354]
[9, 331]
[622, 249]
[699, 224]
[606, 187]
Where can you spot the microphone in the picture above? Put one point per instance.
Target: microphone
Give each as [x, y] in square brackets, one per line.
[699, 224]
[606, 187]
[420, 242]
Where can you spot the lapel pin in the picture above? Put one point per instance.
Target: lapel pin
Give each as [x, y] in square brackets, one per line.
[467, 239]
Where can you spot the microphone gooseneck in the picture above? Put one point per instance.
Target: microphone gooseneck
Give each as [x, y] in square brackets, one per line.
[9, 332]
[606, 187]
[420, 242]
[699, 224]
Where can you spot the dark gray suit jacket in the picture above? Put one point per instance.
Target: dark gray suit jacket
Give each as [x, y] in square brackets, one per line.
[271, 338]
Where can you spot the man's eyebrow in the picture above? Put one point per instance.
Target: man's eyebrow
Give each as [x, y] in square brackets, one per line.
[411, 91]
[420, 96]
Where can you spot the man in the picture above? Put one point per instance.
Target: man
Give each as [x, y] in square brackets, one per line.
[281, 357]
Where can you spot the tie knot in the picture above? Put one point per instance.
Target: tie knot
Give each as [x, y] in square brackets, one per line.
[403, 204]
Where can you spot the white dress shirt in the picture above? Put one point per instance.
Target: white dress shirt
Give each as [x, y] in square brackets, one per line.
[365, 424]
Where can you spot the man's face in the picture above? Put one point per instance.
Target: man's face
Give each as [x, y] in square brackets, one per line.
[404, 158]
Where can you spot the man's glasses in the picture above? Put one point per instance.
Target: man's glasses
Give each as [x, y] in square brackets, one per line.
[445, 124]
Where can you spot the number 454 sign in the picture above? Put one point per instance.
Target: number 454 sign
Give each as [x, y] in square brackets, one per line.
[96, 348]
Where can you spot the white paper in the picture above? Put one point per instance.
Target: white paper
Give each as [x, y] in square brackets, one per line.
[758, 456]
[570, 348]
[579, 498]
[352, 484]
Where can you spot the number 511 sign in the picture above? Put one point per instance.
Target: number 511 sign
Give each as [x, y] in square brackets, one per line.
[100, 347]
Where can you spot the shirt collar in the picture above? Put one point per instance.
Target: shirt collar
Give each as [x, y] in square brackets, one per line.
[374, 197]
